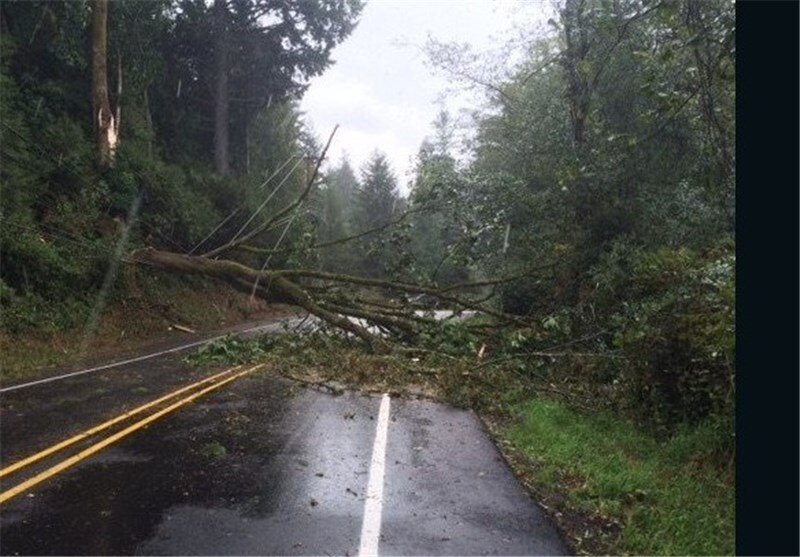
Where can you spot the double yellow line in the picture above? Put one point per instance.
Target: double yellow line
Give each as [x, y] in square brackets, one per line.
[216, 381]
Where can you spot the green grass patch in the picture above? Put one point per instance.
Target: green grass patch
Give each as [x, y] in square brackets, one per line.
[671, 497]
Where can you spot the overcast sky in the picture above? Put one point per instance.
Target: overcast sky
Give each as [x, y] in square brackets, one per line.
[381, 91]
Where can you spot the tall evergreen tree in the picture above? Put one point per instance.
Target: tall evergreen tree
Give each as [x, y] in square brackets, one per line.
[335, 217]
[261, 51]
[376, 202]
[436, 237]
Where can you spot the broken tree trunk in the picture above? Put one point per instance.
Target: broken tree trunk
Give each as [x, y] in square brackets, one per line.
[103, 118]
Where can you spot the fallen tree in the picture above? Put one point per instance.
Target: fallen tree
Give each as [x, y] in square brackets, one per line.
[294, 286]
[332, 297]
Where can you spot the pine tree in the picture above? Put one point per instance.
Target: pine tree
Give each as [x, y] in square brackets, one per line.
[335, 217]
[376, 203]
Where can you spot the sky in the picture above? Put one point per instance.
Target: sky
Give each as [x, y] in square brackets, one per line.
[381, 90]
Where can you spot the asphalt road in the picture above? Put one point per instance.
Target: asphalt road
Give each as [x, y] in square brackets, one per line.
[258, 466]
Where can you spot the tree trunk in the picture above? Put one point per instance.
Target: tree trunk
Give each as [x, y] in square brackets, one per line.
[573, 60]
[118, 101]
[149, 118]
[222, 95]
[246, 147]
[102, 116]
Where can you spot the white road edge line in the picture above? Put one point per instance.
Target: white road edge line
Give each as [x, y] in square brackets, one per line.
[373, 506]
[132, 360]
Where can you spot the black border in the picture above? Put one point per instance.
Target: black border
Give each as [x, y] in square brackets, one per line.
[767, 279]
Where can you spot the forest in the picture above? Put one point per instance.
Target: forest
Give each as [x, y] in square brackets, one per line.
[586, 229]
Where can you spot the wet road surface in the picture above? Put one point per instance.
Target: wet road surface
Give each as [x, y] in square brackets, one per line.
[259, 467]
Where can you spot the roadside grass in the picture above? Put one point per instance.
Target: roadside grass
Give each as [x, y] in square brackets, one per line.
[19, 358]
[668, 496]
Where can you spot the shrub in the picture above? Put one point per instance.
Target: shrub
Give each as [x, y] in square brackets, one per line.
[675, 329]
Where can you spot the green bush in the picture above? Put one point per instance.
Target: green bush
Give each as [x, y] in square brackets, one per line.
[675, 330]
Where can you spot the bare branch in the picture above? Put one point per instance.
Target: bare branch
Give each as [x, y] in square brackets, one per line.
[403, 287]
[285, 211]
[380, 228]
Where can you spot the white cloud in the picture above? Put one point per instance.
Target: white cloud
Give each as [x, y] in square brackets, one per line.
[380, 89]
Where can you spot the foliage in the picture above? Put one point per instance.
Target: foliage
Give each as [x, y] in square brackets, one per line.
[439, 252]
[230, 350]
[377, 202]
[214, 450]
[606, 160]
[62, 219]
[336, 219]
[676, 332]
[273, 48]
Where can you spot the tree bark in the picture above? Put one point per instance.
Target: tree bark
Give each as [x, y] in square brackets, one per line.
[102, 116]
[149, 118]
[118, 100]
[246, 147]
[222, 93]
